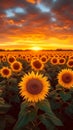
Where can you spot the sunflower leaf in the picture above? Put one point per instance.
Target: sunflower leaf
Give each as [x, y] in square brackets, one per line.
[65, 96]
[45, 106]
[46, 122]
[24, 105]
[24, 118]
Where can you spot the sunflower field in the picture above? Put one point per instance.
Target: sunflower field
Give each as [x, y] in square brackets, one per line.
[36, 90]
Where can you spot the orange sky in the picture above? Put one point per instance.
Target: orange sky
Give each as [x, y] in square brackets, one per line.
[36, 23]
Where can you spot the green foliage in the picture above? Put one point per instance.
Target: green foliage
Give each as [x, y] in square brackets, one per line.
[43, 118]
[58, 105]
[25, 116]
[69, 110]
[65, 96]
[45, 106]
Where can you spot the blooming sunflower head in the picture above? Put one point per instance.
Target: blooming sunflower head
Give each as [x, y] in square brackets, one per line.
[62, 61]
[11, 59]
[16, 66]
[70, 63]
[3, 59]
[54, 60]
[28, 59]
[5, 72]
[65, 78]
[34, 87]
[37, 65]
[44, 59]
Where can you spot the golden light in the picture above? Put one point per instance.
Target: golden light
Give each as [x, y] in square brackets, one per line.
[36, 48]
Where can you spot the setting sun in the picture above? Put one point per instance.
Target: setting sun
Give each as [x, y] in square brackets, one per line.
[36, 48]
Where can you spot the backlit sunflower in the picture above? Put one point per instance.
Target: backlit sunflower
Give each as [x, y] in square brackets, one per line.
[54, 60]
[37, 65]
[3, 59]
[65, 78]
[44, 59]
[70, 63]
[34, 87]
[16, 66]
[11, 59]
[5, 72]
[70, 57]
[62, 61]
[28, 59]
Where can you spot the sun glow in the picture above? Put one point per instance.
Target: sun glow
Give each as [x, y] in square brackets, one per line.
[36, 48]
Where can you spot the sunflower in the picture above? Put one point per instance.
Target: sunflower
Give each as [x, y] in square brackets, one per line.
[28, 59]
[3, 59]
[62, 61]
[23, 57]
[44, 59]
[11, 59]
[34, 87]
[37, 65]
[70, 57]
[70, 63]
[19, 56]
[16, 66]
[5, 72]
[54, 60]
[65, 78]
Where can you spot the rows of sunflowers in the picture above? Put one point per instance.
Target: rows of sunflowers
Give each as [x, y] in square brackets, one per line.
[36, 90]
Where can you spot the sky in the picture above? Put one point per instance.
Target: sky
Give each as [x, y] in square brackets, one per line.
[41, 24]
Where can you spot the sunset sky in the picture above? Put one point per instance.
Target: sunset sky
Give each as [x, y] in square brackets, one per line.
[44, 24]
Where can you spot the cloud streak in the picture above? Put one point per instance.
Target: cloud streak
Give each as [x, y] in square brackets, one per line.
[36, 21]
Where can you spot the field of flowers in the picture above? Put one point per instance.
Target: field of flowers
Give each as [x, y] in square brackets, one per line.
[36, 90]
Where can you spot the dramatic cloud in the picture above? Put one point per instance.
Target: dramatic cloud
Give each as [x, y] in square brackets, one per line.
[45, 23]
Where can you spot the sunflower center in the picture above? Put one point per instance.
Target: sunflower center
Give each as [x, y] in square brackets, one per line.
[54, 60]
[70, 63]
[43, 59]
[5, 71]
[11, 59]
[37, 64]
[67, 78]
[16, 66]
[61, 60]
[34, 86]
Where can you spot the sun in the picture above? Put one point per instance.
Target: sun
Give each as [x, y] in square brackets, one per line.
[36, 48]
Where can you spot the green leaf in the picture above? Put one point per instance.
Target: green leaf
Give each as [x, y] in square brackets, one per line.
[45, 106]
[46, 122]
[27, 117]
[24, 105]
[65, 96]
[55, 120]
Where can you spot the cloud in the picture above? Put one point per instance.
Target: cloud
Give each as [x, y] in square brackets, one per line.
[35, 20]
